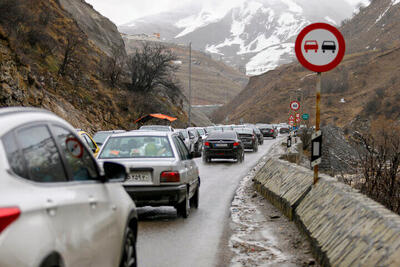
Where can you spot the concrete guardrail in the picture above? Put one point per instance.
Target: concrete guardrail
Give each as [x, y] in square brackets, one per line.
[345, 228]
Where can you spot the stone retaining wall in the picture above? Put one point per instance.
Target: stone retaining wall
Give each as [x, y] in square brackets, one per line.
[345, 227]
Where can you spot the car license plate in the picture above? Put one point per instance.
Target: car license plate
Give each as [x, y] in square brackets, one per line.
[221, 145]
[139, 176]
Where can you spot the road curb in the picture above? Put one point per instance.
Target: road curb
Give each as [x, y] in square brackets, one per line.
[345, 228]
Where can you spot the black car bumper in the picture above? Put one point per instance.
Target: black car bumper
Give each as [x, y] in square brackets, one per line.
[221, 154]
[156, 195]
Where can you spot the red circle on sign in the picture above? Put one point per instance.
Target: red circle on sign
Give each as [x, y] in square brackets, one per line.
[293, 108]
[320, 68]
[74, 147]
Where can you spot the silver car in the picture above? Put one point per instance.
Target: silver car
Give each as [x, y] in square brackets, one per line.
[184, 134]
[56, 208]
[161, 169]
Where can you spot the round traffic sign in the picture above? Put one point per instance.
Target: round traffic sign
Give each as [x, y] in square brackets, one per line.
[295, 105]
[74, 147]
[320, 47]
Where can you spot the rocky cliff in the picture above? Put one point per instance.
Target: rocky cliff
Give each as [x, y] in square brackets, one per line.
[51, 56]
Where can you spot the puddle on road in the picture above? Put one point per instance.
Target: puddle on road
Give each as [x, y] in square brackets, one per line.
[261, 235]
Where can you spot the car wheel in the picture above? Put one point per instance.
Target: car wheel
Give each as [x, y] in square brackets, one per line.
[255, 149]
[205, 159]
[129, 255]
[183, 208]
[194, 201]
[242, 157]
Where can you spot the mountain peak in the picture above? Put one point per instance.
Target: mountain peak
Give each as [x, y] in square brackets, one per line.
[256, 35]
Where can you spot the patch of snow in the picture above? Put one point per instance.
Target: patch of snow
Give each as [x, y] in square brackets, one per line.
[342, 100]
[177, 62]
[328, 19]
[293, 7]
[383, 14]
[213, 49]
[194, 22]
[268, 59]
[395, 2]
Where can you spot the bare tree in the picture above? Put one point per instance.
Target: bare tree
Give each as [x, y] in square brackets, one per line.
[114, 65]
[152, 65]
[379, 160]
[72, 44]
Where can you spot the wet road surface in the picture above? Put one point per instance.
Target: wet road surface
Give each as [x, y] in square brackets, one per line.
[167, 240]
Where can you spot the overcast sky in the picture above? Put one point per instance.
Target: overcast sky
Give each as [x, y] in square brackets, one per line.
[123, 11]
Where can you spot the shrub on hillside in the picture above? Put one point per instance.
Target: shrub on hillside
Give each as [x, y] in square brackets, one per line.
[379, 161]
[150, 66]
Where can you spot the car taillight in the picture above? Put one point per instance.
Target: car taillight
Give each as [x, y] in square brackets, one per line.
[170, 177]
[7, 216]
[236, 144]
[272, 131]
[207, 144]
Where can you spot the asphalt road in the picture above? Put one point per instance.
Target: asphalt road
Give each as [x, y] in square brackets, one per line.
[167, 240]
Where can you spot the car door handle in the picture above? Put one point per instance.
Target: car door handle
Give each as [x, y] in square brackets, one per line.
[92, 202]
[51, 207]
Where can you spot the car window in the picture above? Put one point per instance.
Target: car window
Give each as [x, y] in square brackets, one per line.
[200, 131]
[14, 156]
[100, 137]
[41, 155]
[184, 149]
[89, 141]
[221, 135]
[137, 147]
[79, 162]
[180, 146]
[185, 134]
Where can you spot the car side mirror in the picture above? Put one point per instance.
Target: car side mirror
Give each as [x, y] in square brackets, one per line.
[114, 171]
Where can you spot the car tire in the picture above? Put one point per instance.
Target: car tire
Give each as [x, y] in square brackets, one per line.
[129, 258]
[255, 149]
[183, 208]
[194, 201]
[242, 157]
[205, 159]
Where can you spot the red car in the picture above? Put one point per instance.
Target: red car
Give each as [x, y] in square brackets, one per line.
[311, 45]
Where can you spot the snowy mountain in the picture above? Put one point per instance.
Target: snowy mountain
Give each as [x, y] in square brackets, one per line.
[252, 35]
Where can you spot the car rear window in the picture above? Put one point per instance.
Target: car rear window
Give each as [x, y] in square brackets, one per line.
[101, 137]
[244, 131]
[222, 135]
[185, 134]
[137, 147]
[201, 131]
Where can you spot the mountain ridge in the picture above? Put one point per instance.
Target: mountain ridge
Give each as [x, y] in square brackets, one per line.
[255, 35]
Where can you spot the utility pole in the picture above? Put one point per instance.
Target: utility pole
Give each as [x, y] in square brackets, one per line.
[190, 84]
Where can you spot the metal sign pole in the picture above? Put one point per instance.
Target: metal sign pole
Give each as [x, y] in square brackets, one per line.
[190, 85]
[317, 117]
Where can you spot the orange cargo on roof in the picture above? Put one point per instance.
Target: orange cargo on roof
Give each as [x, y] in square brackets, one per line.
[158, 116]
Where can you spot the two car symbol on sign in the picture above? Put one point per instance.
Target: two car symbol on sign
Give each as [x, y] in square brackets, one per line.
[326, 45]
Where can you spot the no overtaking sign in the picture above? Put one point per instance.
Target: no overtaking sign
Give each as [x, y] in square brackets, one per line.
[320, 47]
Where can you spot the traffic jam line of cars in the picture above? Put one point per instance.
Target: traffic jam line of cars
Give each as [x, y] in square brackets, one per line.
[68, 199]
